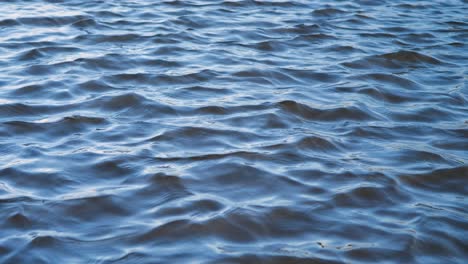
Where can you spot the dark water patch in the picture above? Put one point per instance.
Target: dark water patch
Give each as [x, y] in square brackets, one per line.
[330, 114]
[314, 38]
[311, 76]
[422, 38]
[395, 60]
[18, 221]
[60, 128]
[426, 114]
[49, 21]
[20, 109]
[316, 143]
[261, 121]
[342, 49]
[34, 181]
[302, 29]
[378, 35]
[370, 196]
[100, 38]
[200, 137]
[107, 62]
[161, 63]
[328, 12]
[411, 6]
[388, 79]
[161, 79]
[383, 94]
[9, 23]
[129, 103]
[433, 180]
[85, 22]
[95, 86]
[410, 57]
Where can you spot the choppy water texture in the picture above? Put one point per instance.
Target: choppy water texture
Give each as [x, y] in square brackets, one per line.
[233, 131]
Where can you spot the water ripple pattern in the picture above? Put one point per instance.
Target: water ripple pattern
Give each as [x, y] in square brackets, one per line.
[233, 131]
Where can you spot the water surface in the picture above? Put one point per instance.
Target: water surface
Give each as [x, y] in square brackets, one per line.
[239, 131]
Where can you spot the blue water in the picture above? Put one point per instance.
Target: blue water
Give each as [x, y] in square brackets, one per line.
[249, 131]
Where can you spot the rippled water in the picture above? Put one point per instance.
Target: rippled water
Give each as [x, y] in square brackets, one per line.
[239, 131]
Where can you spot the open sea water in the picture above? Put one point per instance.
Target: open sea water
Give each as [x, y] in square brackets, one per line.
[233, 131]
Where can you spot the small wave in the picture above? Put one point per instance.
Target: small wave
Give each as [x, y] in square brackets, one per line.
[330, 115]
[395, 60]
